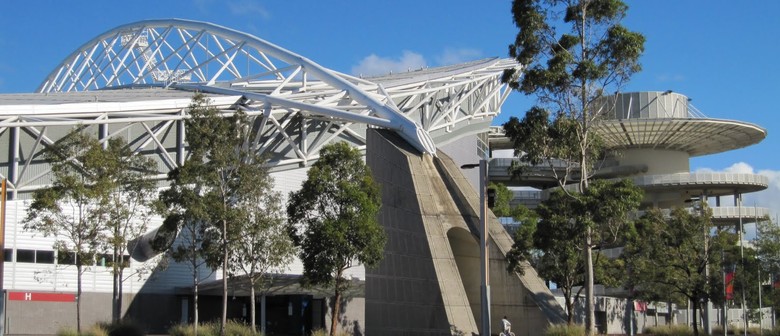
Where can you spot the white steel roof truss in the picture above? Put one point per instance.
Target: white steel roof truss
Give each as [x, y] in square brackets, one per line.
[124, 66]
[296, 112]
[150, 62]
[88, 60]
[169, 161]
[39, 137]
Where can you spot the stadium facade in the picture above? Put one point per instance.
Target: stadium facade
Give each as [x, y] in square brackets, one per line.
[136, 81]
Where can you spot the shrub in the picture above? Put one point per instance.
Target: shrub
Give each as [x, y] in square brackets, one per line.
[122, 328]
[96, 330]
[565, 330]
[670, 330]
[67, 331]
[232, 328]
[772, 332]
[323, 332]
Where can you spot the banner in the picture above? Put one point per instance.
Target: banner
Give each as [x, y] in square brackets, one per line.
[729, 286]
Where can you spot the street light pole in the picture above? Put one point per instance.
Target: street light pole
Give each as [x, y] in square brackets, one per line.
[484, 260]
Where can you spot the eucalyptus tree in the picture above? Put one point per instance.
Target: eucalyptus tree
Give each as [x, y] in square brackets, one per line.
[264, 247]
[547, 245]
[127, 205]
[332, 219]
[575, 52]
[97, 202]
[670, 254]
[212, 189]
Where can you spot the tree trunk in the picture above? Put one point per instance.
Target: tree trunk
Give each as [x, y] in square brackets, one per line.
[252, 303]
[115, 302]
[78, 294]
[694, 319]
[115, 297]
[334, 318]
[590, 316]
[569, 310]
[195, 302]
[224, 278]
[117, 309]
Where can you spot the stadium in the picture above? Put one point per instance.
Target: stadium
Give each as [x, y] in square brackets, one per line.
[136, 82]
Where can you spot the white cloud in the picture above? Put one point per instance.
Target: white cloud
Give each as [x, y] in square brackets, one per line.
[373, 65]
[249, 8]
[767, 198]
[455, 56]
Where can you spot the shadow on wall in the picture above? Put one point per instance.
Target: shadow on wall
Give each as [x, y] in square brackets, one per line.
[349, 323]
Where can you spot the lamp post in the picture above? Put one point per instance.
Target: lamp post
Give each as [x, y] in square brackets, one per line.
[484, 269]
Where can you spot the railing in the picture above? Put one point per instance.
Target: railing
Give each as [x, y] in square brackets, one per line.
[702, 178]
[731, 212]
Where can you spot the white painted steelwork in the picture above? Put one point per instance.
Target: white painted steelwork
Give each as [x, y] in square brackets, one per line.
[203, 56]
[136, 81]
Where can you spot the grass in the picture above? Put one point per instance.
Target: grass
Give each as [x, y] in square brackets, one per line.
[565, 330]
[323, 332]
[671, 330]
[232, 328]
[121, 328]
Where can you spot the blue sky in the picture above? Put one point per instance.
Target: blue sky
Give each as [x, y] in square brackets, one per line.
[723, 56]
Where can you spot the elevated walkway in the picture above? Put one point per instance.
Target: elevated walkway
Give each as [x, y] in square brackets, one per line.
[428, 282]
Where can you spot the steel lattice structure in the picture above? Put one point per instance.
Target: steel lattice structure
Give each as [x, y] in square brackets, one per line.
[136, 81]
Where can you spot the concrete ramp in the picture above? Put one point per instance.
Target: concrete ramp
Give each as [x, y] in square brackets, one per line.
[428, 282]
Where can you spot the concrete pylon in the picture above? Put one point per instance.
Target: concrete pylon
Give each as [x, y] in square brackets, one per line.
[428, 282]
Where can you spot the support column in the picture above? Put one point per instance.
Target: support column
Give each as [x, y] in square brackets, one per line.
[707, 304]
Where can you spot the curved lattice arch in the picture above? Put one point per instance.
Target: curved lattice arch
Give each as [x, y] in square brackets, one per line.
[176, 52]
[109, 85]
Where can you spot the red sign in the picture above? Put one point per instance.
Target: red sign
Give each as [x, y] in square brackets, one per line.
[47, 297]
[730, 286]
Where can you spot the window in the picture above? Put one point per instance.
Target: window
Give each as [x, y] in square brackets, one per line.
[66, 258]
[44, 257]
[25, 256]
[30, 256]
[9, 255]
[107, 260]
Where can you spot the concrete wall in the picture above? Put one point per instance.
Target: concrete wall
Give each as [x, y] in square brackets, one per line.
[427, 283]
[352, 317]
[40, 318]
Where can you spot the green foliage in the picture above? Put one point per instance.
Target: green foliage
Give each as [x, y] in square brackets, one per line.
[322, 332]
[551, 244]
[232, 328]
[565, 330]
[772, 332]
[98, 201]
[122, 328]
[573, 53]
[669, 330]
[735, 329]
[214, 195]
[502, 208]
[68, 331]
[333, 219]
[767, 245]
[668, 260]
[523, 249]
[119, 328]
[552, 247]
[593, 48]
